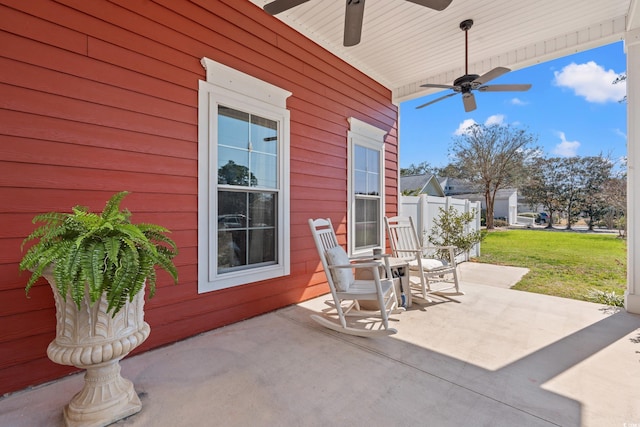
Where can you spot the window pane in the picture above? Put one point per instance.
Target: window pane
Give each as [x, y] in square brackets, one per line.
[233, 128]
[360, 161]
[262, 210]
[232, 250]
[264, 169]
[233, 167]
[264, 135]
[232, 209]
[373, 184]
[262, 246]
[373, 161]
[360, 182]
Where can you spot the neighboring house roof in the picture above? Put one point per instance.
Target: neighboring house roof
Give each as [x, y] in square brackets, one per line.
[465, 190]
[505, 193]
[421, 184]
[456, 186]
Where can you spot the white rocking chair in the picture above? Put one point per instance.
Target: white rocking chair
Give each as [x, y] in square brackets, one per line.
[348, 291]
[430, 274]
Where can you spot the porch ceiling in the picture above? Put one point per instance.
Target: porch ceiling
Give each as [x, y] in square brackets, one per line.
[405, 45]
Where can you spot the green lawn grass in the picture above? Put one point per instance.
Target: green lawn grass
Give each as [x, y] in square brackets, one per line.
[561, 263]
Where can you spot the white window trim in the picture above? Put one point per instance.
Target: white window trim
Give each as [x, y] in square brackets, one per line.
[235, 89]
[369, 136]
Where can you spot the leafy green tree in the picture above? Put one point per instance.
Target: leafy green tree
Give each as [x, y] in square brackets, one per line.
[451, 228]
[235, 174]
[596, 171]
[615, 194]
[494, 158]
[542, 186]
[571, 185]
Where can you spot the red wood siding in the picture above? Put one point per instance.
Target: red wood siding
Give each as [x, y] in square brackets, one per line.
[101, 96]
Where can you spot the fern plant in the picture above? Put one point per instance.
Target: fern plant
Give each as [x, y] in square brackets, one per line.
[99, 254]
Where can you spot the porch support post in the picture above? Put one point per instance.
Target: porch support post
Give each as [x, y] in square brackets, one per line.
[632, 47]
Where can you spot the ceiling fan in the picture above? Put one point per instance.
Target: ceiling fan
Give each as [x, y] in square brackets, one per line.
[465, 84]
[353, 14]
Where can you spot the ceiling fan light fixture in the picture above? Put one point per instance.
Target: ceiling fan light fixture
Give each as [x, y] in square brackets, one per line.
[468, 82]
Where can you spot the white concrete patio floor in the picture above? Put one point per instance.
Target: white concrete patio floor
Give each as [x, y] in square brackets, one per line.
[493, 357]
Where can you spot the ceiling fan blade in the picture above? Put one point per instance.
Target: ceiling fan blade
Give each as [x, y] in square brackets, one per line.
[436, 100]
[492, 74]
[438, 86]
[353, 15]
[469, 101]
[433, 4]
[278, 6]
[505, 88]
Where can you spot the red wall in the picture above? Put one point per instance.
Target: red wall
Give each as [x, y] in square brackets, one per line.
[101, 96]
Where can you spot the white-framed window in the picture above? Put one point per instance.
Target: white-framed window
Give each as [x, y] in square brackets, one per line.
[243, 179]
[366, 186]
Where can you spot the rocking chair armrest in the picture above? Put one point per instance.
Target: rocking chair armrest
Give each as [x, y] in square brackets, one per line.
[371, 264]
[357, 265]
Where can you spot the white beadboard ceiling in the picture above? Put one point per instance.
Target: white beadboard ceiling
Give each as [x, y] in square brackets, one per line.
[405, 45]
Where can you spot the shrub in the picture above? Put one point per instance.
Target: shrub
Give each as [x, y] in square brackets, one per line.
[500, 223]
[450, 229]
[608, 298]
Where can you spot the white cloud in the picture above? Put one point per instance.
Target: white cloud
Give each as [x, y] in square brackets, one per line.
[464, 126]
[496, 119]
[591, 81]
[566, 148]
[518, 101]
[620, 133]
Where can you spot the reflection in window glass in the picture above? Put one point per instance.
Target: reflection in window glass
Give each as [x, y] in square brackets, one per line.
[366, 186]
[246, 229]
[247, 149]
[367, 222]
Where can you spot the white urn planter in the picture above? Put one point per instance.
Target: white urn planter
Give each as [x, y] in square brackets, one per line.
[103, 264]
[91, 339]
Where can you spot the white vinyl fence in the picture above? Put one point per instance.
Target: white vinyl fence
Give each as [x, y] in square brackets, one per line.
[424, 209]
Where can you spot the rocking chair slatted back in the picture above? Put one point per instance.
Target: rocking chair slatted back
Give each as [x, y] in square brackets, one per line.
[433, 276]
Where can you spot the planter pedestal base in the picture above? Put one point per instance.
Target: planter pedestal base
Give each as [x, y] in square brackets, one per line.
[90, 338]
[105, 398]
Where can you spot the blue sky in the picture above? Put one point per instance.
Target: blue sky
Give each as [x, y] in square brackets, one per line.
[572, 108]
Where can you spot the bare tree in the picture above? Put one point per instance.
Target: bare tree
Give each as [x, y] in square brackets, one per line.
[493, 157]
[621, 78]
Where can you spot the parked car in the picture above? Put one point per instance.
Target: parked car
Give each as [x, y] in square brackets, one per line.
[542, 218]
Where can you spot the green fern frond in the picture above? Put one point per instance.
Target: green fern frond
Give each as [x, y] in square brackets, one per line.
[164, 261]
[112, 245]
[158, 237]
[123, 281]
[112, 208]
